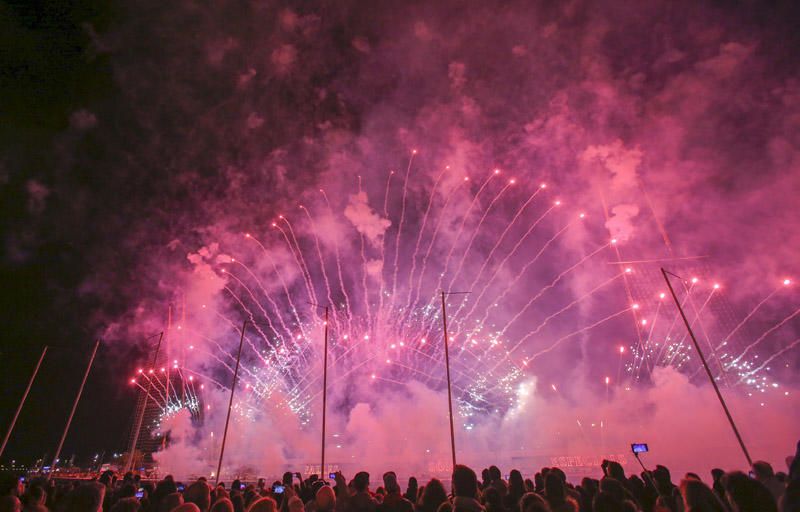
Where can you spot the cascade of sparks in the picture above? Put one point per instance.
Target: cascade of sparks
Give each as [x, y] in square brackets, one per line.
[488, 236]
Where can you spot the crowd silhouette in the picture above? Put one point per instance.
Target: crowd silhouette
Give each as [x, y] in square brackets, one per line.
[762, 490]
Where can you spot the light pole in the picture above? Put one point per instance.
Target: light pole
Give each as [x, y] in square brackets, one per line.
[447, 368]
[230, 403]
[22, 401]
[72, 412]
[324, 388]
[324, 394]
[705, 365]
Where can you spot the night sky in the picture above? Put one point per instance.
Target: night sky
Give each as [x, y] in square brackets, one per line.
[134, 133]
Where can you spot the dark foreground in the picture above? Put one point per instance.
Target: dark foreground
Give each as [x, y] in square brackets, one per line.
[763, 490]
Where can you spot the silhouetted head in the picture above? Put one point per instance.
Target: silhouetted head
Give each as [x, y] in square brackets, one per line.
[494, 473]
[105, 477]
[762, 471]
[532, 502]
[35, 496]
[558, 472]
[434, 494]
[390, 483]
[613, 487]
[10, 503]
[747, 494]
[554, 488]
[222, 505]
[361, 481]
[165, 487]
[662, 477]
[516, 485]
[316, 486]
[465, 482]
[636, 486]
[199, 494]
[263, 505]
[613, 469]
[170, 501]
[697, 496]
[538, 482]
[87, 497]
[238, 503]
[325, 498]
[295, 504]
[590, 484]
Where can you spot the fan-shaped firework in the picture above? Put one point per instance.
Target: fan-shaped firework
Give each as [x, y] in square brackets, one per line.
[517, 286]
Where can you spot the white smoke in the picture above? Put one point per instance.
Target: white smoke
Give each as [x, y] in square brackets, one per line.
[406, 430]
[365, 220]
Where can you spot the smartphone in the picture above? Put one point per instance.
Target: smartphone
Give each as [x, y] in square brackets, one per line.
[181, 487]
[140, 493]
[639, 447]
[332, 476]
[278, 489]
[752, 474]
[22, 479]
[242, 486]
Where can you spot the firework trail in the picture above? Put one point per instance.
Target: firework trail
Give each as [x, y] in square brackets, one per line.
[547, 319]
[519, 275]
[400, 226]
[562, 339]
[552, 284]
[766, 333]
[750, 373]
[667, 336]
[510, 253]
[477, 231]
[386, 330]
[748, 316]
[649, 339]
[436, 230]
[696, 320]
[421, 231]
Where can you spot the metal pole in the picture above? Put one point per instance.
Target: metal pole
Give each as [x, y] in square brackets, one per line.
[647, 474]
[169, 353]
[72, 412]
[22, 402]
[708, 371]
[324, 395]
[230, 403]
[135, 440]
[449, 392]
